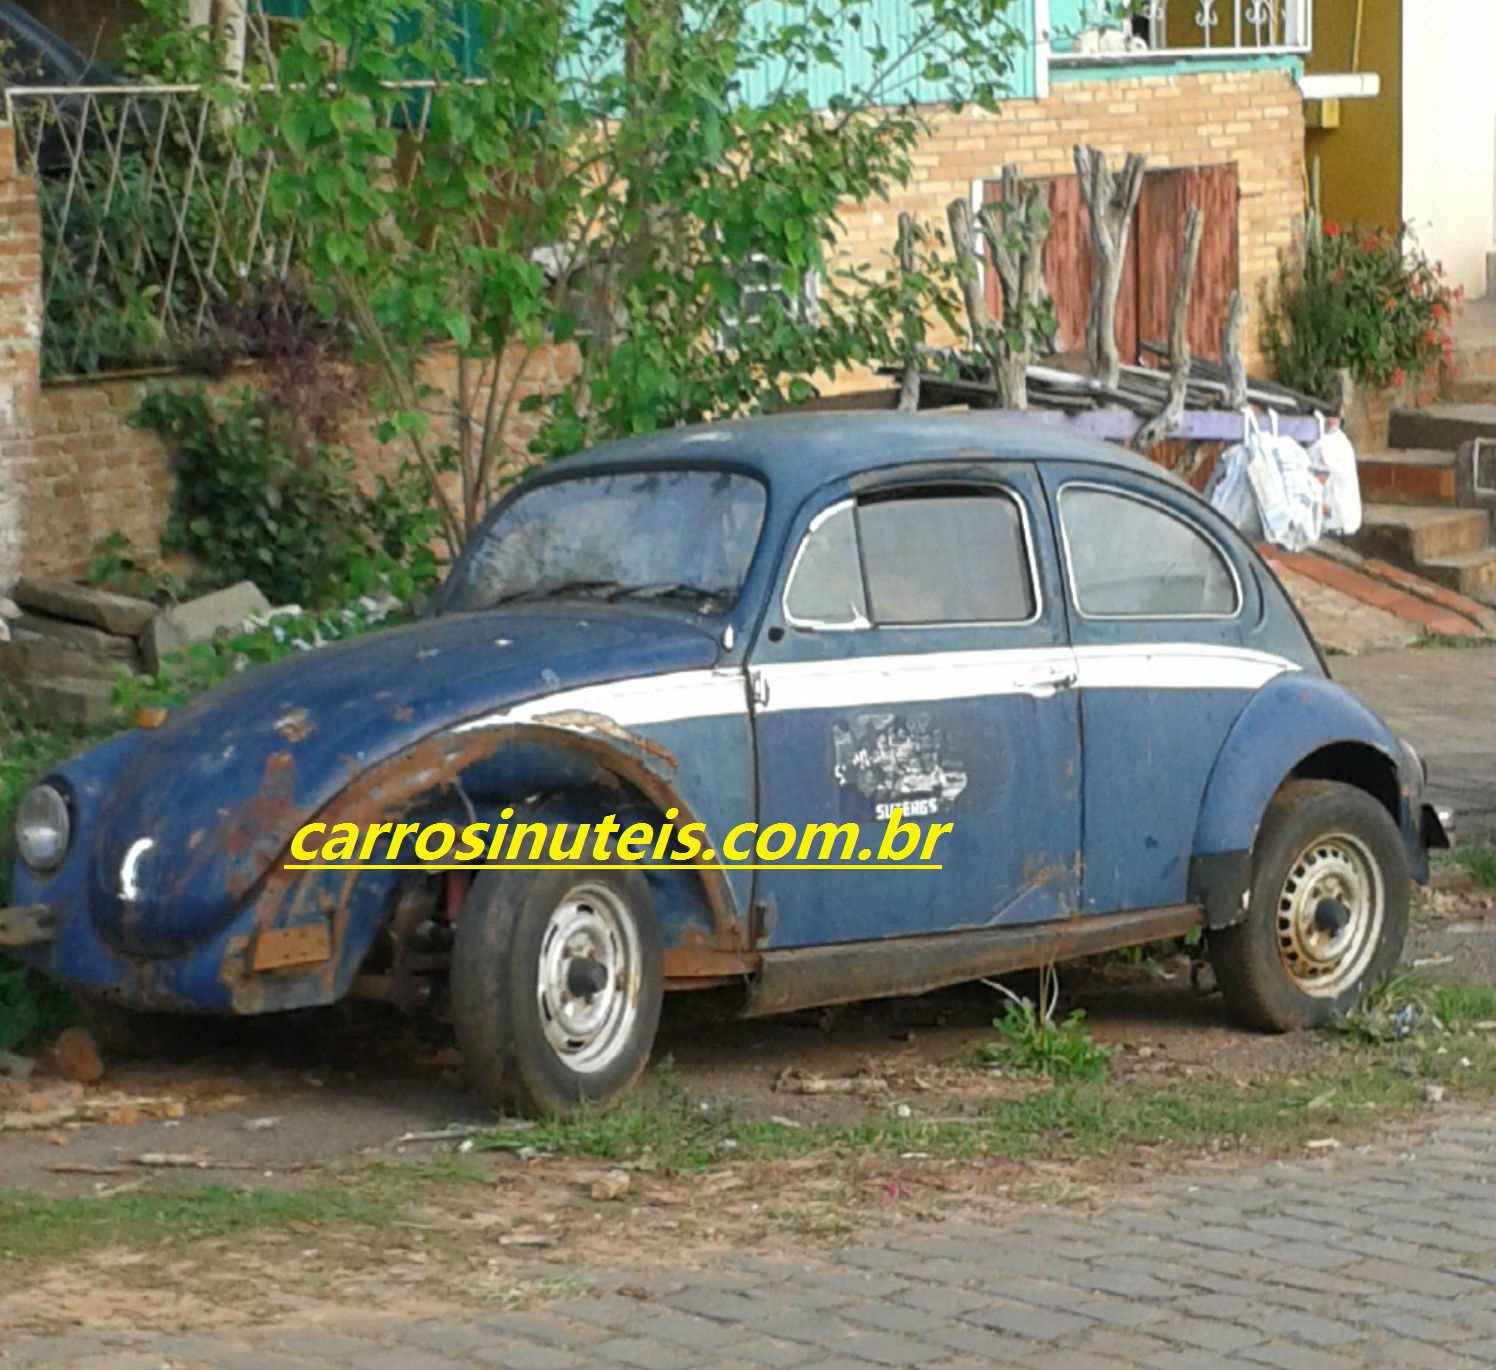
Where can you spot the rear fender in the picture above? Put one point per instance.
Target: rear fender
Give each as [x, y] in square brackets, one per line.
[1297, 726]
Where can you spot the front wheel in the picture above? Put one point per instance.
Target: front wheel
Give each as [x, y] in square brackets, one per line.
[557, 980]
[1327, 913]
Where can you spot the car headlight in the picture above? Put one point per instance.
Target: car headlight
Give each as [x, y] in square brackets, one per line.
[43, 828]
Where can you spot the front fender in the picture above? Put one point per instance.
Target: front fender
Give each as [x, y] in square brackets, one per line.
[1283, 727]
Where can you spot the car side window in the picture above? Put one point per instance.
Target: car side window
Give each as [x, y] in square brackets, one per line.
[945, 556]
[825, 587]
[1131, 558]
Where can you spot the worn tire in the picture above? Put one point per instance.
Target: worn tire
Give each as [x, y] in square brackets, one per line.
[520, 1049]
[1319, 840]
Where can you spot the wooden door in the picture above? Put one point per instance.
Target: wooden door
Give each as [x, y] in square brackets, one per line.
[1152, 259]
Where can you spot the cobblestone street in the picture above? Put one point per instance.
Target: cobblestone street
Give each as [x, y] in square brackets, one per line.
[1386, 1257]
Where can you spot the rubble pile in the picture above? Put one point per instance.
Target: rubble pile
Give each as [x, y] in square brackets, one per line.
[63, 645]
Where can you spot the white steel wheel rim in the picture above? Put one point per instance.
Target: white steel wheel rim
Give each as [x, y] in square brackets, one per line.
[1330, 915]
[590, 934]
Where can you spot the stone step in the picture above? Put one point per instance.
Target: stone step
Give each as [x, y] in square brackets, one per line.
[1442, 427]
[1407, 477]
[1410, 535]
[1471, 573]
[1469, 389]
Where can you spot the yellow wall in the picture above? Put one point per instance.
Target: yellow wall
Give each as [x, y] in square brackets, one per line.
[1361, 161]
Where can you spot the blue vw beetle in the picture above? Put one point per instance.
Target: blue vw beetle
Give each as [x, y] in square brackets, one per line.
[1047, 643]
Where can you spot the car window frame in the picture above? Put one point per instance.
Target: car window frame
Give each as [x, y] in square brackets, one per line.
[1168, 511]
[886, 494]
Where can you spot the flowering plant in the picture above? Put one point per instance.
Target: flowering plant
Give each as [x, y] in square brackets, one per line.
[1366, 300]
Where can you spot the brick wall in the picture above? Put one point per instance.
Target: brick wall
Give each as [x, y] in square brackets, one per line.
[72, 471]
[1252, 118]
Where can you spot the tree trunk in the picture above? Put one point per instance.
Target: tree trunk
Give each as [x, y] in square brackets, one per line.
[963, 236]
[1167, 419]
[1111, 202]
[909, 382]
[1236, 366]
[1016, 244]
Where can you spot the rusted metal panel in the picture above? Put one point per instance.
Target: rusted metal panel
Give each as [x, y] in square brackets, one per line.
[278, 948]
[852, 971]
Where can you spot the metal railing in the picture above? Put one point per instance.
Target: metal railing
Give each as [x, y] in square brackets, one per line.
[151, 221]
[156, 229]
[1203, 29]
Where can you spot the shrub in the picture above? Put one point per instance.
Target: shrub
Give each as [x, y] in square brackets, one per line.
[1367, 301]
[252, 502]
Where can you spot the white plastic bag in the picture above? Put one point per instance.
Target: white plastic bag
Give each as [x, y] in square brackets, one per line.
[1333, 461]
[1288, 499]
[1229, 493]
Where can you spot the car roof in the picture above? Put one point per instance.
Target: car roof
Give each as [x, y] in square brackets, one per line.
[804, 451]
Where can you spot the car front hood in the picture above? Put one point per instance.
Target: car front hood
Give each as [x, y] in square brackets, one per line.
[207, 802]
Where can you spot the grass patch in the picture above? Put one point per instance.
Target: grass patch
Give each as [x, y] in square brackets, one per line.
[1029, 1043]
[36, 1228]
[1450, 640]
[1479, 862]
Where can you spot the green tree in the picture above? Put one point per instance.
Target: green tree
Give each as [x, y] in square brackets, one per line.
[647, 181]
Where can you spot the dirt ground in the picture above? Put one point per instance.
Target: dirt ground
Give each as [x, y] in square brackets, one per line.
[300, 1103]
[279, 1098]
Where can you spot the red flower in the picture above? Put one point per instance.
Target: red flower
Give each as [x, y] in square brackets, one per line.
[1332, 229]
[1399, 377]
[1431, 338]
[1391, 304]
[1368, 244]
[1439, 312]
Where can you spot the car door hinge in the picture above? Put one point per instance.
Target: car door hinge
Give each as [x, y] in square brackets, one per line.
[758, 683]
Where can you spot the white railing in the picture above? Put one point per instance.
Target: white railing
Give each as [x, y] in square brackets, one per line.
[1201, 29]
[156, 228]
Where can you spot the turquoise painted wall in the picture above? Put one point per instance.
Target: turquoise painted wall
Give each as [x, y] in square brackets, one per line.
[892, 20]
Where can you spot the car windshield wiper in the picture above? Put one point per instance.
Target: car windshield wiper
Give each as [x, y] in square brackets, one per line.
[595, 589]
[709, 601]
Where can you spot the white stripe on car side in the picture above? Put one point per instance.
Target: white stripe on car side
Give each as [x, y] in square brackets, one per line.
[860, 682]
[634, 703]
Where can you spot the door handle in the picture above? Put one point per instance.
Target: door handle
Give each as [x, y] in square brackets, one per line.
[1052, 684]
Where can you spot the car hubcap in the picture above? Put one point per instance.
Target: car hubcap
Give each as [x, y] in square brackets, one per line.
[588, 985]
[1330, 915]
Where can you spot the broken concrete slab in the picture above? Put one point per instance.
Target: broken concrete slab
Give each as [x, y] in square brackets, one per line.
[67, 699]
[76, 636]
[201, 619]
[45, 659]
[159, 641]
[121, 615]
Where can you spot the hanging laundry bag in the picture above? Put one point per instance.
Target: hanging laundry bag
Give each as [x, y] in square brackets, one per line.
[1333, 461]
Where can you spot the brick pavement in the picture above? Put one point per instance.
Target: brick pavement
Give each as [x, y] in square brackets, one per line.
[1381, 1258]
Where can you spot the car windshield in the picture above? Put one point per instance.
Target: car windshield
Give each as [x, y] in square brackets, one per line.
[682, 537]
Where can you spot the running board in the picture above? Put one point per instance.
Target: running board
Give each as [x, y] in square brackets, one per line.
[846, 972]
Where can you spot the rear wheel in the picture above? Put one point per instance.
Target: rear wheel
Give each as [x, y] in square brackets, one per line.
[557, 980]
[1327, 913]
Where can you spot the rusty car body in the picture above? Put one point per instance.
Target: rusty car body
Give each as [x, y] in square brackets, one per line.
[1047, 641]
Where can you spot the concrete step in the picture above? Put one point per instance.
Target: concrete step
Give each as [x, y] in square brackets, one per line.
[1442, 427]
[1407, 477]
[1469, 389]
[1411, 535]
[1470, 573]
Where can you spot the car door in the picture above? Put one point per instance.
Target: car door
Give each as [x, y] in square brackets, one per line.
[1168, 631]
[914, 656]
